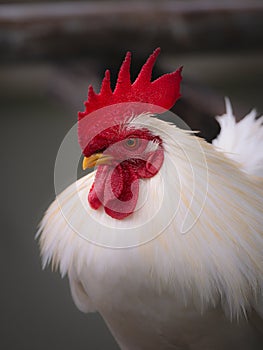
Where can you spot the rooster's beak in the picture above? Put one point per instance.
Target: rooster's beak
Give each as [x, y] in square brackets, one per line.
[95, 159]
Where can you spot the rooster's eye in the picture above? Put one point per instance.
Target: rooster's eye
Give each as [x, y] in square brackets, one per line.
[131, 143]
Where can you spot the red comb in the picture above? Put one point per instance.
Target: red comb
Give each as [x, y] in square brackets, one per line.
[160, 95]
[162, 92]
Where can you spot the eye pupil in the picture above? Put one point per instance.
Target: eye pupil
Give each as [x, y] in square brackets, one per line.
[130, 142]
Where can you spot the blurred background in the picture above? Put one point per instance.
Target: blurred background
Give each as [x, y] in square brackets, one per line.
[49, 53]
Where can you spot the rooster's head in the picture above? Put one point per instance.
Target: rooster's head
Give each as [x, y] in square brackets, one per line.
[111, 140]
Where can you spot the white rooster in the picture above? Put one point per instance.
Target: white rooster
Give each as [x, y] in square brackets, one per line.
[164, 239]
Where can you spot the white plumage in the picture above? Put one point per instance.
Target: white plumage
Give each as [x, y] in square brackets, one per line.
[242, 141]
[196, 282]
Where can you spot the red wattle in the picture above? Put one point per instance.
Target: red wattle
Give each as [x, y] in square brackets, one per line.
[117, 189]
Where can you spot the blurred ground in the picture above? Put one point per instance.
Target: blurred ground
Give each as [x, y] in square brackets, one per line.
[37, 310]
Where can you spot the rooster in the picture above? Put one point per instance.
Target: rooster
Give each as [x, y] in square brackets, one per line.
[164, 238]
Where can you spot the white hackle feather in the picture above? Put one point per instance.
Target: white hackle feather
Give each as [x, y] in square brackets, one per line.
[242, 141]
[216, 264]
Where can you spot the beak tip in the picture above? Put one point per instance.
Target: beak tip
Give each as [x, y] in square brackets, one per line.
[95, 159]
[85, 163]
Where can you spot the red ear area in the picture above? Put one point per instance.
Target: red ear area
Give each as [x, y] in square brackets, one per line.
[152, 165]
[154, 162]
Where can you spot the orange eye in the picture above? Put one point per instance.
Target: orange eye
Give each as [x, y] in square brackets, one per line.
[131, 143]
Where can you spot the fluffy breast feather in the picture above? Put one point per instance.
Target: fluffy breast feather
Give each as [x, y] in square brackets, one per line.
[217, 260]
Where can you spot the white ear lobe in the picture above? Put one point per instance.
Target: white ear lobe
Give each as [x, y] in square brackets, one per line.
[79, 295]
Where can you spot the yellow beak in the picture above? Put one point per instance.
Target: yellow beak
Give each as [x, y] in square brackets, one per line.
[95, 159]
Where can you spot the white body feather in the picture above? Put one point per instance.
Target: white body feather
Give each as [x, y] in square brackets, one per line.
[191, 287]
[242, 141]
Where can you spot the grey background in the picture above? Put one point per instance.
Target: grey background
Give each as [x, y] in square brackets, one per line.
[36, 308]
